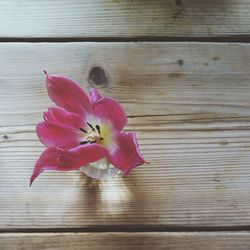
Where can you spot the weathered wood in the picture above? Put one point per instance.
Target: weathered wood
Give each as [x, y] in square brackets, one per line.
[122, 241]
[199, 176]
[115, 18]
[192, 120]
[148, 78]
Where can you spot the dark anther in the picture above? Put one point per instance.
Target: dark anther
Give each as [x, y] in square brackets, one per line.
[92, 142]
[98, 129]
[83, 130]
[83, 142]
[91, 126]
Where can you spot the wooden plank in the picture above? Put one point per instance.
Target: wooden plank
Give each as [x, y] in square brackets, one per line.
[198, 176]
[184, 78]
[121, 241]
[193, 125]
[115, 18]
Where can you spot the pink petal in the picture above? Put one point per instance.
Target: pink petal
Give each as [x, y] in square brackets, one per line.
[81, 155]
[47, 161]
[62, 118]
[68, 94]
[55, 136]
[94, 95]
[111, 110]
[126, 154]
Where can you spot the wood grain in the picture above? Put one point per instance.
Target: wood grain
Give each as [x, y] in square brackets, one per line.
[115, 18]
[147, 78]
[193, 125]
[122, 241]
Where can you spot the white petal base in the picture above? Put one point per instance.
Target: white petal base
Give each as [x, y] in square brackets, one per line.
[100, 170]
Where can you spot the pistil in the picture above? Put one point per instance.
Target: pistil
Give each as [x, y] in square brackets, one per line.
[91, 135]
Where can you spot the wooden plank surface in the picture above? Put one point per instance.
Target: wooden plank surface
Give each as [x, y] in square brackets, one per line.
[122, 241]
[148, 78]
[193, 122]
[116, 18]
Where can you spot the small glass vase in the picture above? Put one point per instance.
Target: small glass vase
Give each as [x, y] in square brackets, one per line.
[100, 170]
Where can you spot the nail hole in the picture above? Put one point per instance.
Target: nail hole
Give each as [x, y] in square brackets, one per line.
[98, 77]
[5, 137]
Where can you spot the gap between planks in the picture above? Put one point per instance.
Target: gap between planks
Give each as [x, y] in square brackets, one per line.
[213, 39]
[130, 229]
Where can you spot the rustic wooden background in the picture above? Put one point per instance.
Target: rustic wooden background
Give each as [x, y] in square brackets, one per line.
[181, 68]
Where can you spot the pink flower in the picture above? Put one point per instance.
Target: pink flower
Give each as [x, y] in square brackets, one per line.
[83, 128]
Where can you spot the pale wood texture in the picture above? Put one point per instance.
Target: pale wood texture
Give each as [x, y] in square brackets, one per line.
[124, 241]
[193, 123]
[118, 18]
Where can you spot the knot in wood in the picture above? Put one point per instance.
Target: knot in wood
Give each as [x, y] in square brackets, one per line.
[98, 77]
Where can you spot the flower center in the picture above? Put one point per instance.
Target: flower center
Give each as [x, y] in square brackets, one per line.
[93, 134]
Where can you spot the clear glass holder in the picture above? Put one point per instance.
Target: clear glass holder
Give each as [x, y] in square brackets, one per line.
[100, 170]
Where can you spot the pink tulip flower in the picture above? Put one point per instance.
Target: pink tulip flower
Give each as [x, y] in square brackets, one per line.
[82, 129]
